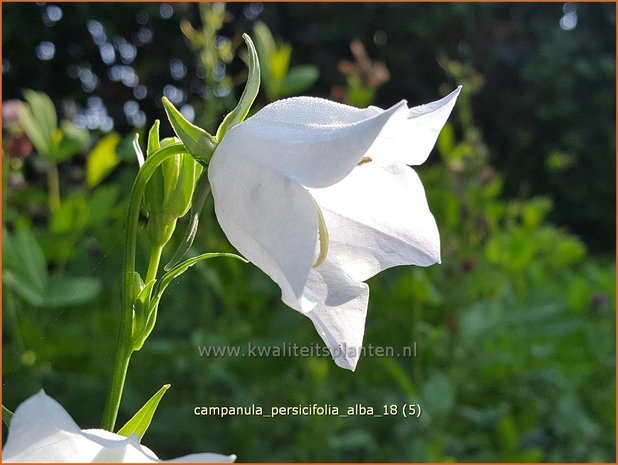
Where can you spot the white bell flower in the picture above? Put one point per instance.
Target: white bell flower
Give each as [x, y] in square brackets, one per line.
[319, 196]
[42, 431]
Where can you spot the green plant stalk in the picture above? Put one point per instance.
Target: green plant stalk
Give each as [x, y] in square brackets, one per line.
[153, 264]
[125, 343]
[53, 187]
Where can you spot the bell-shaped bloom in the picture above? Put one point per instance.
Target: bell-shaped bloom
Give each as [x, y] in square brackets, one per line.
[42, 431]
[319, 195]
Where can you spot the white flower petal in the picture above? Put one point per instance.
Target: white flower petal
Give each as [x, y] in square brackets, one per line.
[270, 219]
[409, 138]
[338, 308]
[42, 431]
[313, 141]
[271, 173]
[378, 218]
[204, 458]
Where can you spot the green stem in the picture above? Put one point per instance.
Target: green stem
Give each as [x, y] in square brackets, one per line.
[125, 343]
[153, 264]
[53, 186]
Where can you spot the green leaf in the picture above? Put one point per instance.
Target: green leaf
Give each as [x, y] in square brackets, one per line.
[37, 136]
[102, 205]
[7, 416]
[68, 142]
[299, 79]
[278, 63]
[265, 46]
[69, 291]
[179, 269]
[43, 111]
[197, 141]
[102, 160]
[140, 422]
[252, 87]
[438, 394]
[38, 118]
[446, 140]
[71, 217]
[264, 41]
[25, 268]
[507, 434]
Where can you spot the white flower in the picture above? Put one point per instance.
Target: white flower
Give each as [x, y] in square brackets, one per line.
[318, 195]
[42, 431]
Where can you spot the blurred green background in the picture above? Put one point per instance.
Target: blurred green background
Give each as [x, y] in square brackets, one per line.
[514, 330]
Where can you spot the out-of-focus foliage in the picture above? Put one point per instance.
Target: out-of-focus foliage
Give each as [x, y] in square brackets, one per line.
[514, 330]
[547, 109]
[278, 79]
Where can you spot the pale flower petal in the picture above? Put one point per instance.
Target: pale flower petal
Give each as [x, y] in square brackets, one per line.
[378, 217]
[42, 431]
[338, 308]
[305, 168]
[409, 138]
[312, 141]
[270, 219]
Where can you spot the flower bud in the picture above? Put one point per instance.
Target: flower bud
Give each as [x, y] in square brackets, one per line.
[169, 190]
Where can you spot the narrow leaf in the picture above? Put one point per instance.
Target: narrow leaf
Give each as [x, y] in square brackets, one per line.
[265, 46]
[252, 87]
[25, 267]
[299, 79]
[102, 160]
[165, 281]
[7, 416]
[197, 141]
[141, 420]
[154, 142]
[172, 274]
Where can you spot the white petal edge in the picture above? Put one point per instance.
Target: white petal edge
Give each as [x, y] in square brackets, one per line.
[313, 141]
[409, 138]
[268, 218]
[378, 217]
[42, 431]
[338, 309]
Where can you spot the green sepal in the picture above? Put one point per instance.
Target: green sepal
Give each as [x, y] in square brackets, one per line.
[168, 193]
[7, 416]
[160, 228]
[252, 87]
[200, 194]
[180, 200]
[139, 423]
[136, 285]
[197, 141]
[153, 139]
[141, 305]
